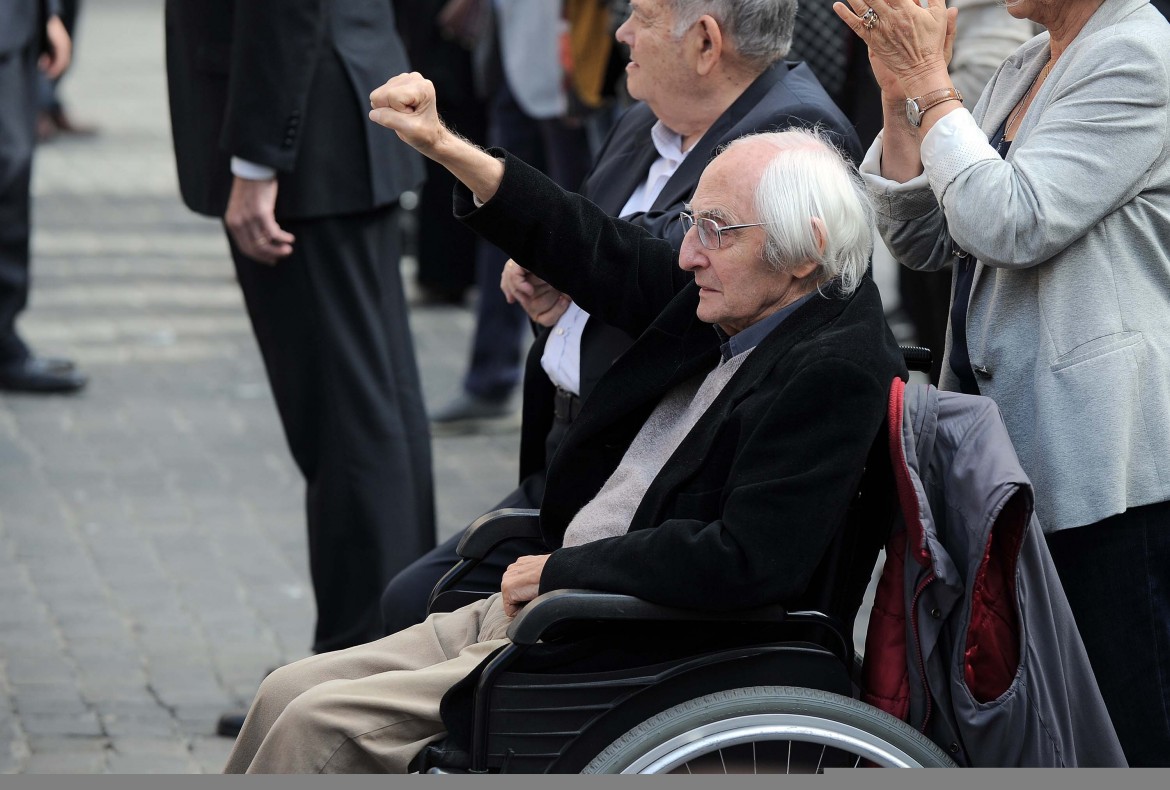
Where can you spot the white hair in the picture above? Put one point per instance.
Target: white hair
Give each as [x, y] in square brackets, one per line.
[815, 208]
[761, 30]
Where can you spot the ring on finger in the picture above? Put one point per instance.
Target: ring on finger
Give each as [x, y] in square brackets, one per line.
[869, 19]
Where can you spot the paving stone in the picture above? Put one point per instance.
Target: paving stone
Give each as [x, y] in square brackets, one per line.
[151, 764]
[63, 744]
[13, 746]
[66, 763]
[211, 753]
[146, 725]
[60, 723]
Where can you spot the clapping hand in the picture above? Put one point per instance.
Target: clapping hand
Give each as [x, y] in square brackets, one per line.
[909, 45]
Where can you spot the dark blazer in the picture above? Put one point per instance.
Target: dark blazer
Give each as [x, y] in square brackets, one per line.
[744, 511]
[280, 82]
[785, 95]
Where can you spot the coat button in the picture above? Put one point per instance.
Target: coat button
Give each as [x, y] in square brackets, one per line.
[953, 748]
[935, 613]
[982, 371]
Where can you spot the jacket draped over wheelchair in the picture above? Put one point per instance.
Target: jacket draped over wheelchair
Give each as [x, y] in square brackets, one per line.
[971, 639]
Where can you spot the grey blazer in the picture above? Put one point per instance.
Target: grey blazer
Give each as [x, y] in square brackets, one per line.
[1068, 325]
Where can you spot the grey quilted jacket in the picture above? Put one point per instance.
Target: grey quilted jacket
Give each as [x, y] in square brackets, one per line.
[972, 639]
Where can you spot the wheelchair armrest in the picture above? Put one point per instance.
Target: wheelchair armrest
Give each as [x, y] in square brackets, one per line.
[917, 358]
[492, 529]
[561, 606]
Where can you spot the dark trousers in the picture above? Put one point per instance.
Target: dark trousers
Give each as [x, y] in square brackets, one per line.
[563, 153]
[1116, 574]
[331, 322]
[18, 116]
[404, 602]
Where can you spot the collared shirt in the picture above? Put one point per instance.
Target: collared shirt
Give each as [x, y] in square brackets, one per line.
[749, 338]
[562, 353]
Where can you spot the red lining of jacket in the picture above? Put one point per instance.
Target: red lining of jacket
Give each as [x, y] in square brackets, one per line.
[993, 650]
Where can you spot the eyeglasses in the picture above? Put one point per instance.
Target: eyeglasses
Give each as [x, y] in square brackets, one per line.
[710, 231]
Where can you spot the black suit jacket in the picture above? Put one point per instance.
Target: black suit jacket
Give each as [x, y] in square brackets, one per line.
[286, 83]
[786, 95]
[745, 510]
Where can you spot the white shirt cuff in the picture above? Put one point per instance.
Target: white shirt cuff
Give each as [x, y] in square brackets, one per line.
[242, 168]
[952, 145]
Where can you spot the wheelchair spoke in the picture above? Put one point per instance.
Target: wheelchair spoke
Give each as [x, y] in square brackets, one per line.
[722, 761]
[755, 763]
[789, 769]
[820, 760]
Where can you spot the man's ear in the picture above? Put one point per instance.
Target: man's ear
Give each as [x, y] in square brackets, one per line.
[710, 44]
[821, 237]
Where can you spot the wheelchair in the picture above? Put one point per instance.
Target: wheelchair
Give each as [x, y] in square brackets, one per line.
[603, 683]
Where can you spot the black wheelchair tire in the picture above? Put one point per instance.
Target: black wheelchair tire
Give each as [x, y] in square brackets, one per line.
[758, 714]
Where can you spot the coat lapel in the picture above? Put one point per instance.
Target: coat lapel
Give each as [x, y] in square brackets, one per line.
[611, 184]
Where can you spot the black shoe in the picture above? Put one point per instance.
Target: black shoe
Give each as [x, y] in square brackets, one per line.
[35, 374]
[230, 723]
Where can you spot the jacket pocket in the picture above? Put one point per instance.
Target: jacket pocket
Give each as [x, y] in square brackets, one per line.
[1097, 347]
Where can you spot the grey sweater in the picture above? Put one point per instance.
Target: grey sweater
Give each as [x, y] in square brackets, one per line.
[609, 513]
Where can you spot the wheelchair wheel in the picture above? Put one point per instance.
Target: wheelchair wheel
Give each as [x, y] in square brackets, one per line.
[767, 730]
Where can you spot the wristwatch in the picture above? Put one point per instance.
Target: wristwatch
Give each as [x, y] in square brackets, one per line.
[916, 108]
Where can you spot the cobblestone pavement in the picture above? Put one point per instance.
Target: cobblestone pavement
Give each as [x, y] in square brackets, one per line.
[152, 539]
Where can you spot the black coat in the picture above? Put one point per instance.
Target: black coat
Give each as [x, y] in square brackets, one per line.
[785, 95]
[280, 83]
[744, 511]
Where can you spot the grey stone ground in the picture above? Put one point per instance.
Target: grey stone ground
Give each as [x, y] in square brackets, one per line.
[152, 541]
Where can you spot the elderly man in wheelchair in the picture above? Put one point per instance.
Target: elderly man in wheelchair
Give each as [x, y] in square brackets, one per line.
[723, 496]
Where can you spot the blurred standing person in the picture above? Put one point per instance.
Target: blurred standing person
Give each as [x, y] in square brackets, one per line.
[53, 118]
[1051, 205]
[268, 108]
[31, 38]
[521, 68]
[986, 34]
[439, 35]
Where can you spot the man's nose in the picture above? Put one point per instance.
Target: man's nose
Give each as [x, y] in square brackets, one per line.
[622, 34]
[690, 256]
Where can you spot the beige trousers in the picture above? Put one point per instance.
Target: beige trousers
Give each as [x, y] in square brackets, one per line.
[368, 709]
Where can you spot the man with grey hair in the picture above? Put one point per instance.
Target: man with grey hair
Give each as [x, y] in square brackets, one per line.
[706, 72]
[713, 465]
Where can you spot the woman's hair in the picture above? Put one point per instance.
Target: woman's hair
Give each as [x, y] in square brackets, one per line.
[815, 208]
